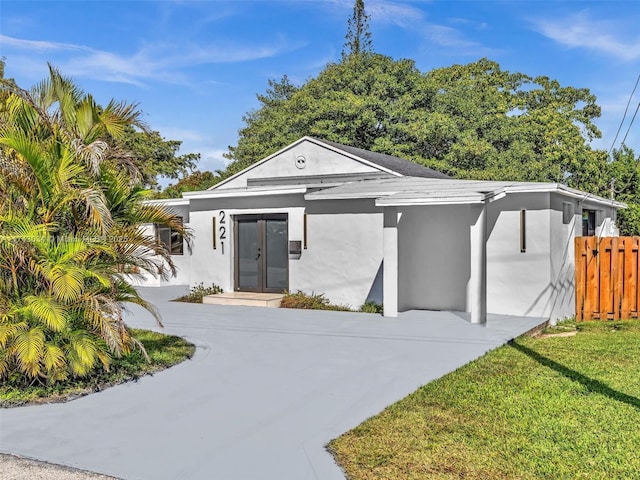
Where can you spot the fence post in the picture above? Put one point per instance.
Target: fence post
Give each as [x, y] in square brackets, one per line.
[628, 286]
[606, 289]
[580, 276]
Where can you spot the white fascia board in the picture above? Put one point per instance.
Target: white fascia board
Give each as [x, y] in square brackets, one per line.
[242, 193]
[170, 202]
[386, 202]
[565, 191]
[397, 197]
[439, 199]
[348, 195]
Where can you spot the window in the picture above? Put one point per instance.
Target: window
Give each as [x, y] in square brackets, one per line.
[171, 239]
[588, 223]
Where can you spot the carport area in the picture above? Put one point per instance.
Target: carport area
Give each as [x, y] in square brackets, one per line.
[265, 391]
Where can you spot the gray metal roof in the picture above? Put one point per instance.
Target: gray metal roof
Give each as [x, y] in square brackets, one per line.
[395, 164]
[429, 191]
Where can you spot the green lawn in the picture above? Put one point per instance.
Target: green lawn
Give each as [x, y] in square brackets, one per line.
[163, 350]
[555, 408]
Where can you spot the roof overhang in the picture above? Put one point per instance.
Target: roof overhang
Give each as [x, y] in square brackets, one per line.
[439, 198]
[245, 192]
[408, 192]
[169, 202]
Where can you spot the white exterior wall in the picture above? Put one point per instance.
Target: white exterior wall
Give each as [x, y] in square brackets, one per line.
[343, 258]
[519, 283]
[211, 265]
[344, 255]
[433, 257]
[564, 228]
[319, 161]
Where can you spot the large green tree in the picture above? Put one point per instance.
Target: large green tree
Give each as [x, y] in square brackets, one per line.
[471, 121]
[358, 37]
[624, 172]
[268, 127]
[154, 156]
[487, 123]
[360, 101]
[196, 180]
[71, 213]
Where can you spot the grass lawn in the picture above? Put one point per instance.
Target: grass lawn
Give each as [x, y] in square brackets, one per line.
[163, 350]
[555, 408]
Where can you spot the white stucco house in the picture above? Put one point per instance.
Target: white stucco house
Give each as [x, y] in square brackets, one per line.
[356, 225]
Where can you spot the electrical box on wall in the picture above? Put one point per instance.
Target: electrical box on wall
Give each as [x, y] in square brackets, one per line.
[295, 249]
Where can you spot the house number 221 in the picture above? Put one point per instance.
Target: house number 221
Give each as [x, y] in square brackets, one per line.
[222, 229]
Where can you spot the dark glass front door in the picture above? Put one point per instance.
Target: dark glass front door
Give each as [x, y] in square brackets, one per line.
[262, 259]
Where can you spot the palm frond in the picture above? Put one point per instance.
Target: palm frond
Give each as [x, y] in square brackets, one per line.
[118, 115]
[29, 349]
[53, 358]
[81, 352]
[126, 293]
[97, 212]
[91, 154]
[46, 311]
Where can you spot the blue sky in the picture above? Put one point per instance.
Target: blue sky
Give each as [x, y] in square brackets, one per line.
[195, 67]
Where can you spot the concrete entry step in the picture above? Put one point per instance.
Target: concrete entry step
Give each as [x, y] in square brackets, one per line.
[247, 299]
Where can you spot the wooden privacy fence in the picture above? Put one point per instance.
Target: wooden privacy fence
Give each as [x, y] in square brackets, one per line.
[607, 284]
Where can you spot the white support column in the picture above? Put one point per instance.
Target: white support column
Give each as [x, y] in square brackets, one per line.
[390, 262]
[477, 290]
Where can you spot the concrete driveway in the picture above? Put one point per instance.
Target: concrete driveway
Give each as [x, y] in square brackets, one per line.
[265, 391]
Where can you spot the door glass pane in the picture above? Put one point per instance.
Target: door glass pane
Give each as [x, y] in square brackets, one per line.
[248, 254]
[277, 257]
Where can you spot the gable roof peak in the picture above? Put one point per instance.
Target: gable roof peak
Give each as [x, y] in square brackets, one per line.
[389, 162]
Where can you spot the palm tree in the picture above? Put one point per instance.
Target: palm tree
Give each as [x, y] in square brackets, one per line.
[71, 213]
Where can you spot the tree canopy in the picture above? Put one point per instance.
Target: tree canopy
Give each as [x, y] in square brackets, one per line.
[154, 156]
[624, 172]
[471, 121]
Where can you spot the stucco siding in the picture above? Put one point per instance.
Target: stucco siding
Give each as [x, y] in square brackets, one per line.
[518, 283]
[216, 265]
[433, 257]
[566, 224]
[344, 245]
[343, 259]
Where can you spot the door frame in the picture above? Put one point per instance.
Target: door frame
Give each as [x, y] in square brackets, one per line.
[262, 242]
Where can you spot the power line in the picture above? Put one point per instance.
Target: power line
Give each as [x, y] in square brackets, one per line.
[628, 182]
[631, 123]
[625, 116]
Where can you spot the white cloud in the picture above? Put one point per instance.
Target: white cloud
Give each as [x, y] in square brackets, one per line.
[581, 31]
[398, 14]
[414, 19]
[212, 159]
[160, 62]
[38, 45]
